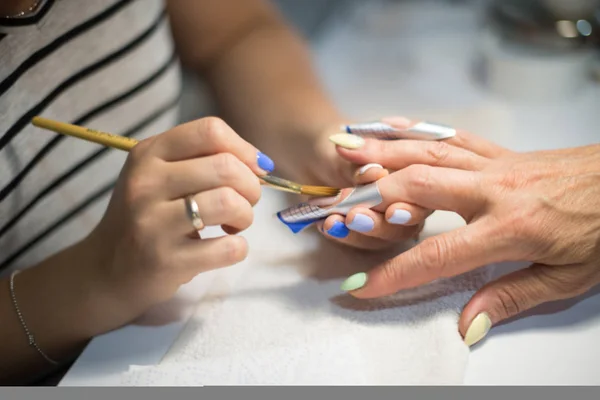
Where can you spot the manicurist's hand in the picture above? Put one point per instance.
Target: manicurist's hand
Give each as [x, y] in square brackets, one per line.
[145, 247]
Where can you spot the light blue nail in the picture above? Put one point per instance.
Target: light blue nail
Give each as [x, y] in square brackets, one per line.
[265, 163]
[338, 230]
[400, 217]
[362, 223]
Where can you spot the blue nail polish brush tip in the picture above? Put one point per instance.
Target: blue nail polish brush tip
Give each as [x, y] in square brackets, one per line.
[296, 227]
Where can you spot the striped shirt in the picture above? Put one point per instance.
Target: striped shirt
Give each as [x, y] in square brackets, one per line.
[105, 64]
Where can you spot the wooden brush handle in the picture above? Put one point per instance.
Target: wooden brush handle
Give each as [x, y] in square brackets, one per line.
[91, 135]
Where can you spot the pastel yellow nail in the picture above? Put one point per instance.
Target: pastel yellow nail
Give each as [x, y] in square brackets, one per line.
[347, 141]
[354, 282]
[480, 326]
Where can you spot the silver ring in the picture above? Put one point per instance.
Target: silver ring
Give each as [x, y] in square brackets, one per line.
[194, 213]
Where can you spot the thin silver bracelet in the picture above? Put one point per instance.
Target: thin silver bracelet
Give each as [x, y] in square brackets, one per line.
[30, 337]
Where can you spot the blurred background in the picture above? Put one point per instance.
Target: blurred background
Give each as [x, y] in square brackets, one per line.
[525, 73]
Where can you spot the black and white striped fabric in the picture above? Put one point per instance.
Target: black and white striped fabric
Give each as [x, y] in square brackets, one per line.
[106, 64]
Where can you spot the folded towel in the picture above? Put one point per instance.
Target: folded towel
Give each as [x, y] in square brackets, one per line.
[283, 303]
[297, 365]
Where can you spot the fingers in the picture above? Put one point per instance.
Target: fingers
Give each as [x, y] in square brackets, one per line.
[213, 253]
[518, 292]
[441, 256]
[434, 188]
[334, 228]
[206, 173]
[208, 136]
[398, 154]
[222, 206]
[462, 138]
[365, 230]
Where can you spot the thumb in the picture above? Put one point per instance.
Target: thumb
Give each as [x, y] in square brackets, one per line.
[504, 298]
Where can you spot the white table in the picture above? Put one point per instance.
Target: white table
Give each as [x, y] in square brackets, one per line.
[412, 71]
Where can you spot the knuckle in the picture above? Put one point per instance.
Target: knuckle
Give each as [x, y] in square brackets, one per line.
[510, 180]
[235, 249]
[523, 228]
[242, 214]
[139, 189]
[418, 176]
[213, 129]
[509, 302]
[438, 152]
[391, 273]
[227, 166]
[431, 256]
[228, 200]
[140, 150]
[255, 193]
[563, 281]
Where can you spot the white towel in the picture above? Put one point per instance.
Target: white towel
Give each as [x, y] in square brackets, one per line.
[283, 305]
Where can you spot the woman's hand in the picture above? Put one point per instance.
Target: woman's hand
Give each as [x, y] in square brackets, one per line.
[313, 159]
[542, 207]
[145, 247]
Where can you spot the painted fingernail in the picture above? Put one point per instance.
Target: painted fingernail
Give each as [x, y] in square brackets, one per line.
[264, 162]
[367, 167]
[362, 223]
[339, 230]
[347, 141]
[400, 217]
[354, 282]
[480, 327]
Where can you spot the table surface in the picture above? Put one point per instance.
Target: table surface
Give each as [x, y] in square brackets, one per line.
[373, 67]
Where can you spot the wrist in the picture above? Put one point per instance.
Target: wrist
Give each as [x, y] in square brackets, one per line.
[65, 299]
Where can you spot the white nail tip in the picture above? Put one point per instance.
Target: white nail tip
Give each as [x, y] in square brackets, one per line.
[367, 167]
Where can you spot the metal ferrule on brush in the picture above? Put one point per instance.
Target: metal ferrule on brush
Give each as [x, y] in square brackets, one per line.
[304, 214]
[383, 131]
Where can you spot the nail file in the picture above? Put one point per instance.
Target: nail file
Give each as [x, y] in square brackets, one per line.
[302, 215]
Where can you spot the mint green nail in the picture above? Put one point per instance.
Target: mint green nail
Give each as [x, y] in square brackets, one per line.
[354, 282]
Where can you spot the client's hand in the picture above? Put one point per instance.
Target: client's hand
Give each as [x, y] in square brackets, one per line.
[542, 207]
[146, 246]
[362, 228]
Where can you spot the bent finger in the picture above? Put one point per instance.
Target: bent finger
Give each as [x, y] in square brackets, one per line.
[334, 228]
[208, 136]
[398, 154]
[216, 207]
[433, 188]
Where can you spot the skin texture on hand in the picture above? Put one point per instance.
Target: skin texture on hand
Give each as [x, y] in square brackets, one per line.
[362, 228]
[144, 248]
[542, 207]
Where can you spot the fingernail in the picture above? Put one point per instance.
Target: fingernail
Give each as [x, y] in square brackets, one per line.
[338, 230]
[362, 223]
[400, 217]
[480, 326]
[354, 282]
[264, 162]
[347, 141]
[367, 167]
